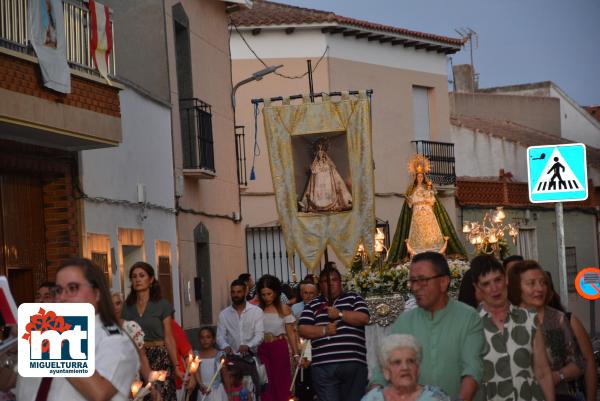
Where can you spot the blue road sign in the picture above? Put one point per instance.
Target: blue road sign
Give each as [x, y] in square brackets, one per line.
[557, 173]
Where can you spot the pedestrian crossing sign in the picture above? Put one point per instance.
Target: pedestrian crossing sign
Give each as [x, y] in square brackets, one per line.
[557, 173]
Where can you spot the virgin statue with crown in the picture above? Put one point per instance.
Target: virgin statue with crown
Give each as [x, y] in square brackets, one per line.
[325, 190]
[424, 224]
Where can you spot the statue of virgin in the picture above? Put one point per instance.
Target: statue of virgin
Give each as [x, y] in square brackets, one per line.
[424, 224]
[325, 190]
[424, 234]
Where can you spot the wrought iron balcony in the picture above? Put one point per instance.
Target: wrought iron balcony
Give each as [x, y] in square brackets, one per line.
[240, 153]
[14, 33]
[197, 135]
[441, 158]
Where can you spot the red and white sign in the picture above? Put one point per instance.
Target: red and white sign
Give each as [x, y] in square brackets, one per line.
[101, 40]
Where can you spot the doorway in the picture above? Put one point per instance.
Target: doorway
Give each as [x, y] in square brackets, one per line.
[131, 249]
[22, 235]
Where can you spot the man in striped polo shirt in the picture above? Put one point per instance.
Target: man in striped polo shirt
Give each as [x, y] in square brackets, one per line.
[335, 323]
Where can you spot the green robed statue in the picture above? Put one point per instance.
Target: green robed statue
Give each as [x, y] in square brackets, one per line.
[424, 224]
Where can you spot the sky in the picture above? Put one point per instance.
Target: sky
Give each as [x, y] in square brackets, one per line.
[520, 41]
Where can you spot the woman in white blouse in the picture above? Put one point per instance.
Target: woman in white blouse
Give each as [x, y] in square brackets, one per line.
[279, 332]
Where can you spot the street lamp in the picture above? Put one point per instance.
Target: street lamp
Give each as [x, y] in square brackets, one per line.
[257, 76]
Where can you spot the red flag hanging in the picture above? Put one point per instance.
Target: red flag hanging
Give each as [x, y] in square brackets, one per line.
[101, 40]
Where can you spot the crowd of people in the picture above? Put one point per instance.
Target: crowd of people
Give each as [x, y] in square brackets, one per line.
[506, 337]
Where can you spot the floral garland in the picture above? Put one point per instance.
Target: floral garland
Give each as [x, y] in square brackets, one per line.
[394, 280]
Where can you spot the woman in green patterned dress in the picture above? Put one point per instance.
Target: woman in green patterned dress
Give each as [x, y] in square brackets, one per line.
[528, 287]
[515, 364]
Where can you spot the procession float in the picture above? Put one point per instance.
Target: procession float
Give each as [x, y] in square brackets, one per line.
[320, 154]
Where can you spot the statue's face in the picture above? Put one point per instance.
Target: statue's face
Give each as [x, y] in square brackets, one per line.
[420, 178]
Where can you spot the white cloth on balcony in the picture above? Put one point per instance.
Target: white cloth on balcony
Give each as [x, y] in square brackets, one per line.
[47, 36]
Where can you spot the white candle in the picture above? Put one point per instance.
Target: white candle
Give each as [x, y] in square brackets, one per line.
[212, 380]
[186, 376]
[303, 346]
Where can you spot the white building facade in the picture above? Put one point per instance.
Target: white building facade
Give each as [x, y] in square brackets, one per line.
[129, 208]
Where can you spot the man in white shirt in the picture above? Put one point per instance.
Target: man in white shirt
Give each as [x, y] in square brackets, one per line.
[240, 329]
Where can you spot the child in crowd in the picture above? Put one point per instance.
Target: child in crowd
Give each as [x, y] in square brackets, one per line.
[240, 385]
[211, 358]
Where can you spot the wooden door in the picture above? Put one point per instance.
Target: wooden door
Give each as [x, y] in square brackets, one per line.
[22, 234]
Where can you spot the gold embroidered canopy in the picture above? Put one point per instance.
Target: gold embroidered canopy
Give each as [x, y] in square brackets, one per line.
[339, 134]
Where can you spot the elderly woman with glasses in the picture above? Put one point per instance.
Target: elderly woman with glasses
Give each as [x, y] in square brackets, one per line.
[399, 358]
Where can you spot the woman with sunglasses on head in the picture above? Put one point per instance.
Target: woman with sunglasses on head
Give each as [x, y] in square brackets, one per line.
[145, 306]
[528, 288]
[81, 281]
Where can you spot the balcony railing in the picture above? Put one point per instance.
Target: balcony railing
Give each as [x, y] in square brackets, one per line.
[441, 158]
[240, 153]
[14, 33]
[197, 135]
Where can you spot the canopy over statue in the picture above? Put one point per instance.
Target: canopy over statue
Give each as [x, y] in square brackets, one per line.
[322, 169]
[424, 224]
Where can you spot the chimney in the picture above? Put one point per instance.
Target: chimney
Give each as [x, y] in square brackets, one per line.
[464, 78]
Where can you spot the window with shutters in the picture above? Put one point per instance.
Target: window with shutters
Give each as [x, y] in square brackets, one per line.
[164, 278]
[98, 249]
[421, 122]
[101, 259]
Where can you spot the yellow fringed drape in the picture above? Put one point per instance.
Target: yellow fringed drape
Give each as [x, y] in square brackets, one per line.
[310, 233]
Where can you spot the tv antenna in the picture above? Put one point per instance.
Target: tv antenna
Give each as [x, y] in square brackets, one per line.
[467, 34]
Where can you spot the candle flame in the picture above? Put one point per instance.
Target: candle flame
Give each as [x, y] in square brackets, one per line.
[153, 376]
[161, 376]
[135, 387]
[195, 364]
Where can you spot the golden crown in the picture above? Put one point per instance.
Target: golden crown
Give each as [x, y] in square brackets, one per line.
[418, 164]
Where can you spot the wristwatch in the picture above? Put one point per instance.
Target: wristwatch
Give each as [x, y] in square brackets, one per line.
[561, 376]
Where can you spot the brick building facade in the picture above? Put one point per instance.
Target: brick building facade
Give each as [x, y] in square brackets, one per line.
[41, 132]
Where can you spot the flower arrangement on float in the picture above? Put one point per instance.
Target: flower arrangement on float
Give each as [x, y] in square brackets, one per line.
[376, 280]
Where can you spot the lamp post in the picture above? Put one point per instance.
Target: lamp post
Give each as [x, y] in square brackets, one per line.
[257, 76]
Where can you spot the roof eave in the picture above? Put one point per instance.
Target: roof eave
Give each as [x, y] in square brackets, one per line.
[370, 35]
